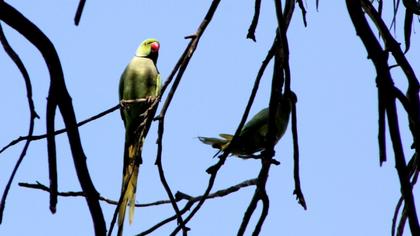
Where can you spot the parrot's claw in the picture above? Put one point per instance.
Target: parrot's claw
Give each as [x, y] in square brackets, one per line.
[125, 104]
[122, 104]
[245, 157]
[150, 100]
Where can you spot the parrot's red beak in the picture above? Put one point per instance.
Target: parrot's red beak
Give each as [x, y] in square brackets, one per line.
[154, 46]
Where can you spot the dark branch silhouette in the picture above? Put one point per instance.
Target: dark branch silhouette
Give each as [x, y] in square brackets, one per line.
[179, 196]
[360, 12]
[281, 77]
[254, 22]
[387, 95]
[33, 115]
[58, 96]
[193, 200]
[79, 12]
[213, 170]
[60, 131]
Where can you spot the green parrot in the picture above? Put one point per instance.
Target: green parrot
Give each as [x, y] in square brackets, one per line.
[140, 80]
[252, 137]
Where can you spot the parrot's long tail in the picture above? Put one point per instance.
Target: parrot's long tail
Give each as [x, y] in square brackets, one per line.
[128, 189]
[217, 143]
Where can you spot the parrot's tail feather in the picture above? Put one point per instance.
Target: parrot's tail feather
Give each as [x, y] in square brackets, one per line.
[129, 196]
[132, 195]
[214, 142]
[228, 137]
[121, 216]
[129, 187]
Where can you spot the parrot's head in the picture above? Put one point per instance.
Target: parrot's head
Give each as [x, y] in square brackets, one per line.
[287, 100]
[149, 48]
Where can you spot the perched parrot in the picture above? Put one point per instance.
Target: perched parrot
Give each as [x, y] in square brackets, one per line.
[252, 137]
[140, 79]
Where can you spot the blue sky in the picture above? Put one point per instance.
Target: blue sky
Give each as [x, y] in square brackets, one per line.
[346, 191]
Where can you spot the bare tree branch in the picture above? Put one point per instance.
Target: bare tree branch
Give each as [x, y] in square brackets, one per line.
[193, 200]
[79, 12]
[412, 5]
[33, 115]
[31, 32]
[303, 10]
[298, 190]
[413, 84]
[213, 170]
[408, 22]
[179, 196]
[60, 131]
[254, 23]
[385, 85]
[281, 76]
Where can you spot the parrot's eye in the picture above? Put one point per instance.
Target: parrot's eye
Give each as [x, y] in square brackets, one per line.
[154, 46]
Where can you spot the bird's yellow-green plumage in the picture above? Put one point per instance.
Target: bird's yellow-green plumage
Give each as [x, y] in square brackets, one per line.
[140, 79]
[252, 137]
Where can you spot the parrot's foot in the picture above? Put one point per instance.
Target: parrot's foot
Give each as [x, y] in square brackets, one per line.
[150, 100]
[123, 104]
[258, 157]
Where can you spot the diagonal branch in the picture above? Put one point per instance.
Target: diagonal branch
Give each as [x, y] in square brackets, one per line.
[413, 84]
[213, 170]
[79, 12]
[31, 32]
[60, 131]
[33, 115]
[254, 23]
[179, 196]
[193, 200]
[385, 85]
[281, 76]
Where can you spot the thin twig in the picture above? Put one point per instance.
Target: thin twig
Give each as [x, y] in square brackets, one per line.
[33, 115]
[60, 131]
[381, 124]
[254, 22]
[303, 10]
[193, 200]
[298, 190]
[408, 23]
[283, 23]
[179, 195]
[79, 12]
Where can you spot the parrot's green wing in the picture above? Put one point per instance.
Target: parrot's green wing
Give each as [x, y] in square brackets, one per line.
[214, 142]
[258, 124]
[158, 85]
[226, 136]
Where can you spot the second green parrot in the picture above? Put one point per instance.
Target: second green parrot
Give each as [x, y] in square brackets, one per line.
[252, 137]
[140, 80]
